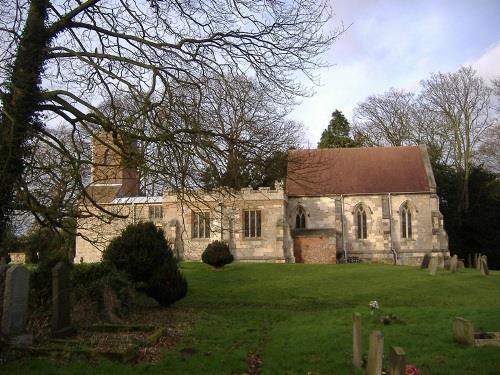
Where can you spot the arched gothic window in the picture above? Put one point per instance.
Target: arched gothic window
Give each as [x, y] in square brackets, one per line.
[405, 221]
[361, 223]
[300, 219]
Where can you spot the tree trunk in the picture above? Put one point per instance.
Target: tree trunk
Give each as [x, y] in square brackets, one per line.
[18, 121]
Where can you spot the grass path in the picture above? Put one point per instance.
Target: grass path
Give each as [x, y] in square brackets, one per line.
[296, 319]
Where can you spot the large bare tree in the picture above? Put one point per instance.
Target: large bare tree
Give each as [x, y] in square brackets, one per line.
[386, 119]
[60, 59]
[462, 100]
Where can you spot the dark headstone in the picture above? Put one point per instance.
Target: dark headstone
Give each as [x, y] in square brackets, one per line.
[61, 307]
[469, 260]
[425, 261]
[15, 305]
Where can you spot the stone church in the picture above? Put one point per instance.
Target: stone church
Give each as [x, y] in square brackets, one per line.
[359, 204]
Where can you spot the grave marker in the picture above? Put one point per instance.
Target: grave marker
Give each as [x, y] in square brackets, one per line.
[61, 307]
[453, 263]
[433, 265]
[375, 353]
[397, 361]
[425, 261]
[484, 265]
[356, 340]
[15, 305]
[463, 331]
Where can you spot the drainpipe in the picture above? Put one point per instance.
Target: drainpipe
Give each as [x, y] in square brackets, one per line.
[133, 212]
[343, 226]
[392, 249]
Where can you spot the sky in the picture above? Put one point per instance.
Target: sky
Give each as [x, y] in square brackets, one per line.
[398, 43]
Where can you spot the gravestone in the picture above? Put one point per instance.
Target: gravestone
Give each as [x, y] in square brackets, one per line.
[375, 353]
[440, 259]
[15, 306]
[484, 265]
[356, 340]
[433, 265]
[469, 260]
[478, 262]
[61, 308]
[460, 264]
[425, 261]
[397, 361]
[453, 263]
[463, 331]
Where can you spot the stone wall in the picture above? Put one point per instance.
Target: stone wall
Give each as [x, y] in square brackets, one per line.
[383, 214]
[226, 211]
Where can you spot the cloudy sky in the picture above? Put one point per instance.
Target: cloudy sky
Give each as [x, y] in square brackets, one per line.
[397, 43]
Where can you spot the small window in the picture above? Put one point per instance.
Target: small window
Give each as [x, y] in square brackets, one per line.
[300, 219]
[201, 225]
[252, 223]
[405, 221]
[155, 212]
[361, 224]
[105, 158]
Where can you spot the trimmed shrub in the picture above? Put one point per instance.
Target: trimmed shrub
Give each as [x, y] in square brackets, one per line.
[143, 253]
[217, 254]
[167, 284]
[139, 251]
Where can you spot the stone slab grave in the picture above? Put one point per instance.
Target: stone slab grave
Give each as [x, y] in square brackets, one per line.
[463, 333]
[375, 353]
[357, 350]
[397, 361]
[453, 263]
[61, 306]
[15, 306]
[484, 265]
[433, 266]
[425, 261]
[120, 343]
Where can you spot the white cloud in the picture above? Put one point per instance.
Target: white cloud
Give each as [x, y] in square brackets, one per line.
[488, 64]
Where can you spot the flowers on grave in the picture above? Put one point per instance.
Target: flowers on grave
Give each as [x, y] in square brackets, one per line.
[411, 370]
[373, 306]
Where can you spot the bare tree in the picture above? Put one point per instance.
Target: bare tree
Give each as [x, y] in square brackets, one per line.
[386, 119]
[61, 58]
[463, 100]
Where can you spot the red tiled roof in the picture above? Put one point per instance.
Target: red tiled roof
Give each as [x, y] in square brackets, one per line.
[356, 171]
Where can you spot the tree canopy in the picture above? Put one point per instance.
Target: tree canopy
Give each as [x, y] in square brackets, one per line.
[337, 134]
[61, 60]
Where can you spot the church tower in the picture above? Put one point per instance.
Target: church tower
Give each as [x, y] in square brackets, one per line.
[110, 167]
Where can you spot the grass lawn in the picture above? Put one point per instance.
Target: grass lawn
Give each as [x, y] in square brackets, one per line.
[297, 319]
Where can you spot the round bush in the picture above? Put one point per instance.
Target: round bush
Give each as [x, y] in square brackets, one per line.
[166, 284]
[139, 251]
[217, 254]
[145, 255]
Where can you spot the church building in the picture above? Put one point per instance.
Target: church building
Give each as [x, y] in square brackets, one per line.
[354, 204]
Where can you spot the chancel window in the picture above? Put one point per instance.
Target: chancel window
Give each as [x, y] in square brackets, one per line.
[155, 212]
[201, 224]
[361, 224]
[405, 221]
[252, 223]
[300, 219]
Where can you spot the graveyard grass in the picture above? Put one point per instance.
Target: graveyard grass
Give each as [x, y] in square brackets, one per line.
[298, 319]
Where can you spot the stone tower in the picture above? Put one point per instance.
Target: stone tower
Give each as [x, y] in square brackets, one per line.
[110, 167]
